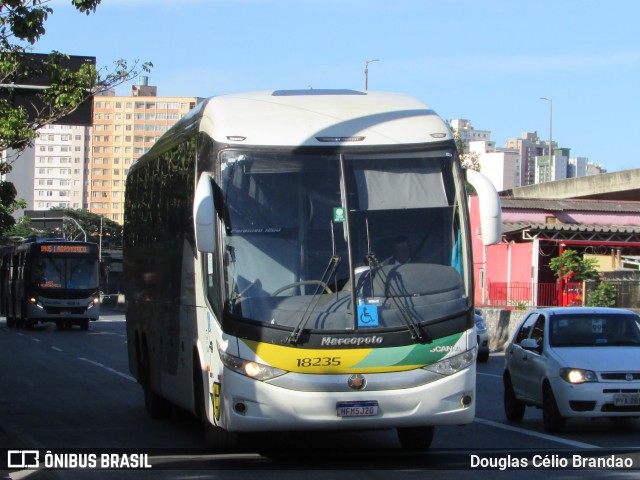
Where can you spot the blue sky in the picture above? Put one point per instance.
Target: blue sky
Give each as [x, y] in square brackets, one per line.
[488, 61]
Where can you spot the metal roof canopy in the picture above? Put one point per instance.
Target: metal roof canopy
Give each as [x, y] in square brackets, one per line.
[628, 236]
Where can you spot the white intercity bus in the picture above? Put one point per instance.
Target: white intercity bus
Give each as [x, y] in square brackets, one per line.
[261, 285]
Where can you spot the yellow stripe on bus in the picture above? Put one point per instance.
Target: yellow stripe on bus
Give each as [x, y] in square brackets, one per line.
[346, 360]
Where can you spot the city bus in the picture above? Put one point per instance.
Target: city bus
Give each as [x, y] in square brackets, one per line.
[261, 291]
[50, 280]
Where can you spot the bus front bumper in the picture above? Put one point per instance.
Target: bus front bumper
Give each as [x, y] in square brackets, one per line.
[249, 405]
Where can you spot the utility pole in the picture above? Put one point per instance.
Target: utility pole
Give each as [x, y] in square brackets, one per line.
[366, 73]
[550, 130]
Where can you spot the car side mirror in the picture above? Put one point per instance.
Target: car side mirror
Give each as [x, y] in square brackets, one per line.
[531, 344]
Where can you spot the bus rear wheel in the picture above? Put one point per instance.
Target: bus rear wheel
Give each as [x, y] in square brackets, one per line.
[157, 407]
[415, 438]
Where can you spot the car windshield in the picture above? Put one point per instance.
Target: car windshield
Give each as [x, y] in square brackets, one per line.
[594, 330]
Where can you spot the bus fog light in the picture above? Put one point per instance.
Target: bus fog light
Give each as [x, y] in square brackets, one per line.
[466, 400]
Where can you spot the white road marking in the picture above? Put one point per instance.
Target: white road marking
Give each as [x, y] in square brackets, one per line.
[57, 349]
[108, 369]
[542, 436]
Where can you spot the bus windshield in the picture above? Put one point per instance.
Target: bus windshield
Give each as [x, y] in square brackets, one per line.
[65, 273]
[308, 236]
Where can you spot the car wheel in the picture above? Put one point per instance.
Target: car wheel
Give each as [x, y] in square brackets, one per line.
[552, 420]
[513, 408]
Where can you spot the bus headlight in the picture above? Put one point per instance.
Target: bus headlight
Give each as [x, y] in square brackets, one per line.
[94, 301]
[255, 370]
[35, 301]
[451, 365]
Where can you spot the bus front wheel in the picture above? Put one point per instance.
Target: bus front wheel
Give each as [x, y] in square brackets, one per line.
[214, 436]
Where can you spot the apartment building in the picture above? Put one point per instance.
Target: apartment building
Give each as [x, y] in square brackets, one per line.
[59, 169]
[123, 129]
[86, 167]
[501, 166]
[529, 147]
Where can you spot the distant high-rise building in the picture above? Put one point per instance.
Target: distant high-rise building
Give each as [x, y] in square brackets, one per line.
[577, 167]
[123, 129]
[549, 169]
[467, 133]
[501, 166]
[21, 175]
[595, 169]
[86, 167]
[59, 170]
[529, 147]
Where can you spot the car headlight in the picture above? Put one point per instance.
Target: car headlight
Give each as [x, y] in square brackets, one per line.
[451, 365]
[255, 370]
[578, 375]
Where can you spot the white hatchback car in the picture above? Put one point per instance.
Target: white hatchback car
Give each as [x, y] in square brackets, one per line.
[574, 362]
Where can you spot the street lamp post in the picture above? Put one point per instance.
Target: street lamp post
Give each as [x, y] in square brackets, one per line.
[77, 226]
[366, 73]
[550, 128]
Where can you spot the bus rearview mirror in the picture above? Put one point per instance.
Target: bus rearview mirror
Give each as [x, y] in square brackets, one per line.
[204, 215]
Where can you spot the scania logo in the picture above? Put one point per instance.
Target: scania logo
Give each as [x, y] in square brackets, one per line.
[629, 377]
[357, 382]
[445, 348]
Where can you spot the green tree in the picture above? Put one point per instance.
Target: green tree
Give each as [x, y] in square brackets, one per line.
[604, 295]
[8, 204]
[95, 225]
[570, 266]
[21, 26]
[92, 224]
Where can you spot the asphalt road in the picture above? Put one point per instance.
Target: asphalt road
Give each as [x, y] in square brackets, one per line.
[70, 391]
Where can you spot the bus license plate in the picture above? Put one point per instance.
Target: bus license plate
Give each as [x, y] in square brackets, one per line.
[626, 399]
[357, 409]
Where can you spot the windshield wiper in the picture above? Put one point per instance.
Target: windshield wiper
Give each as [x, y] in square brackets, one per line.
[334, 261]
[406, 315]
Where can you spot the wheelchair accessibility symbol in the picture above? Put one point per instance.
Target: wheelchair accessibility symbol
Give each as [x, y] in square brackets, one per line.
[367, 315]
